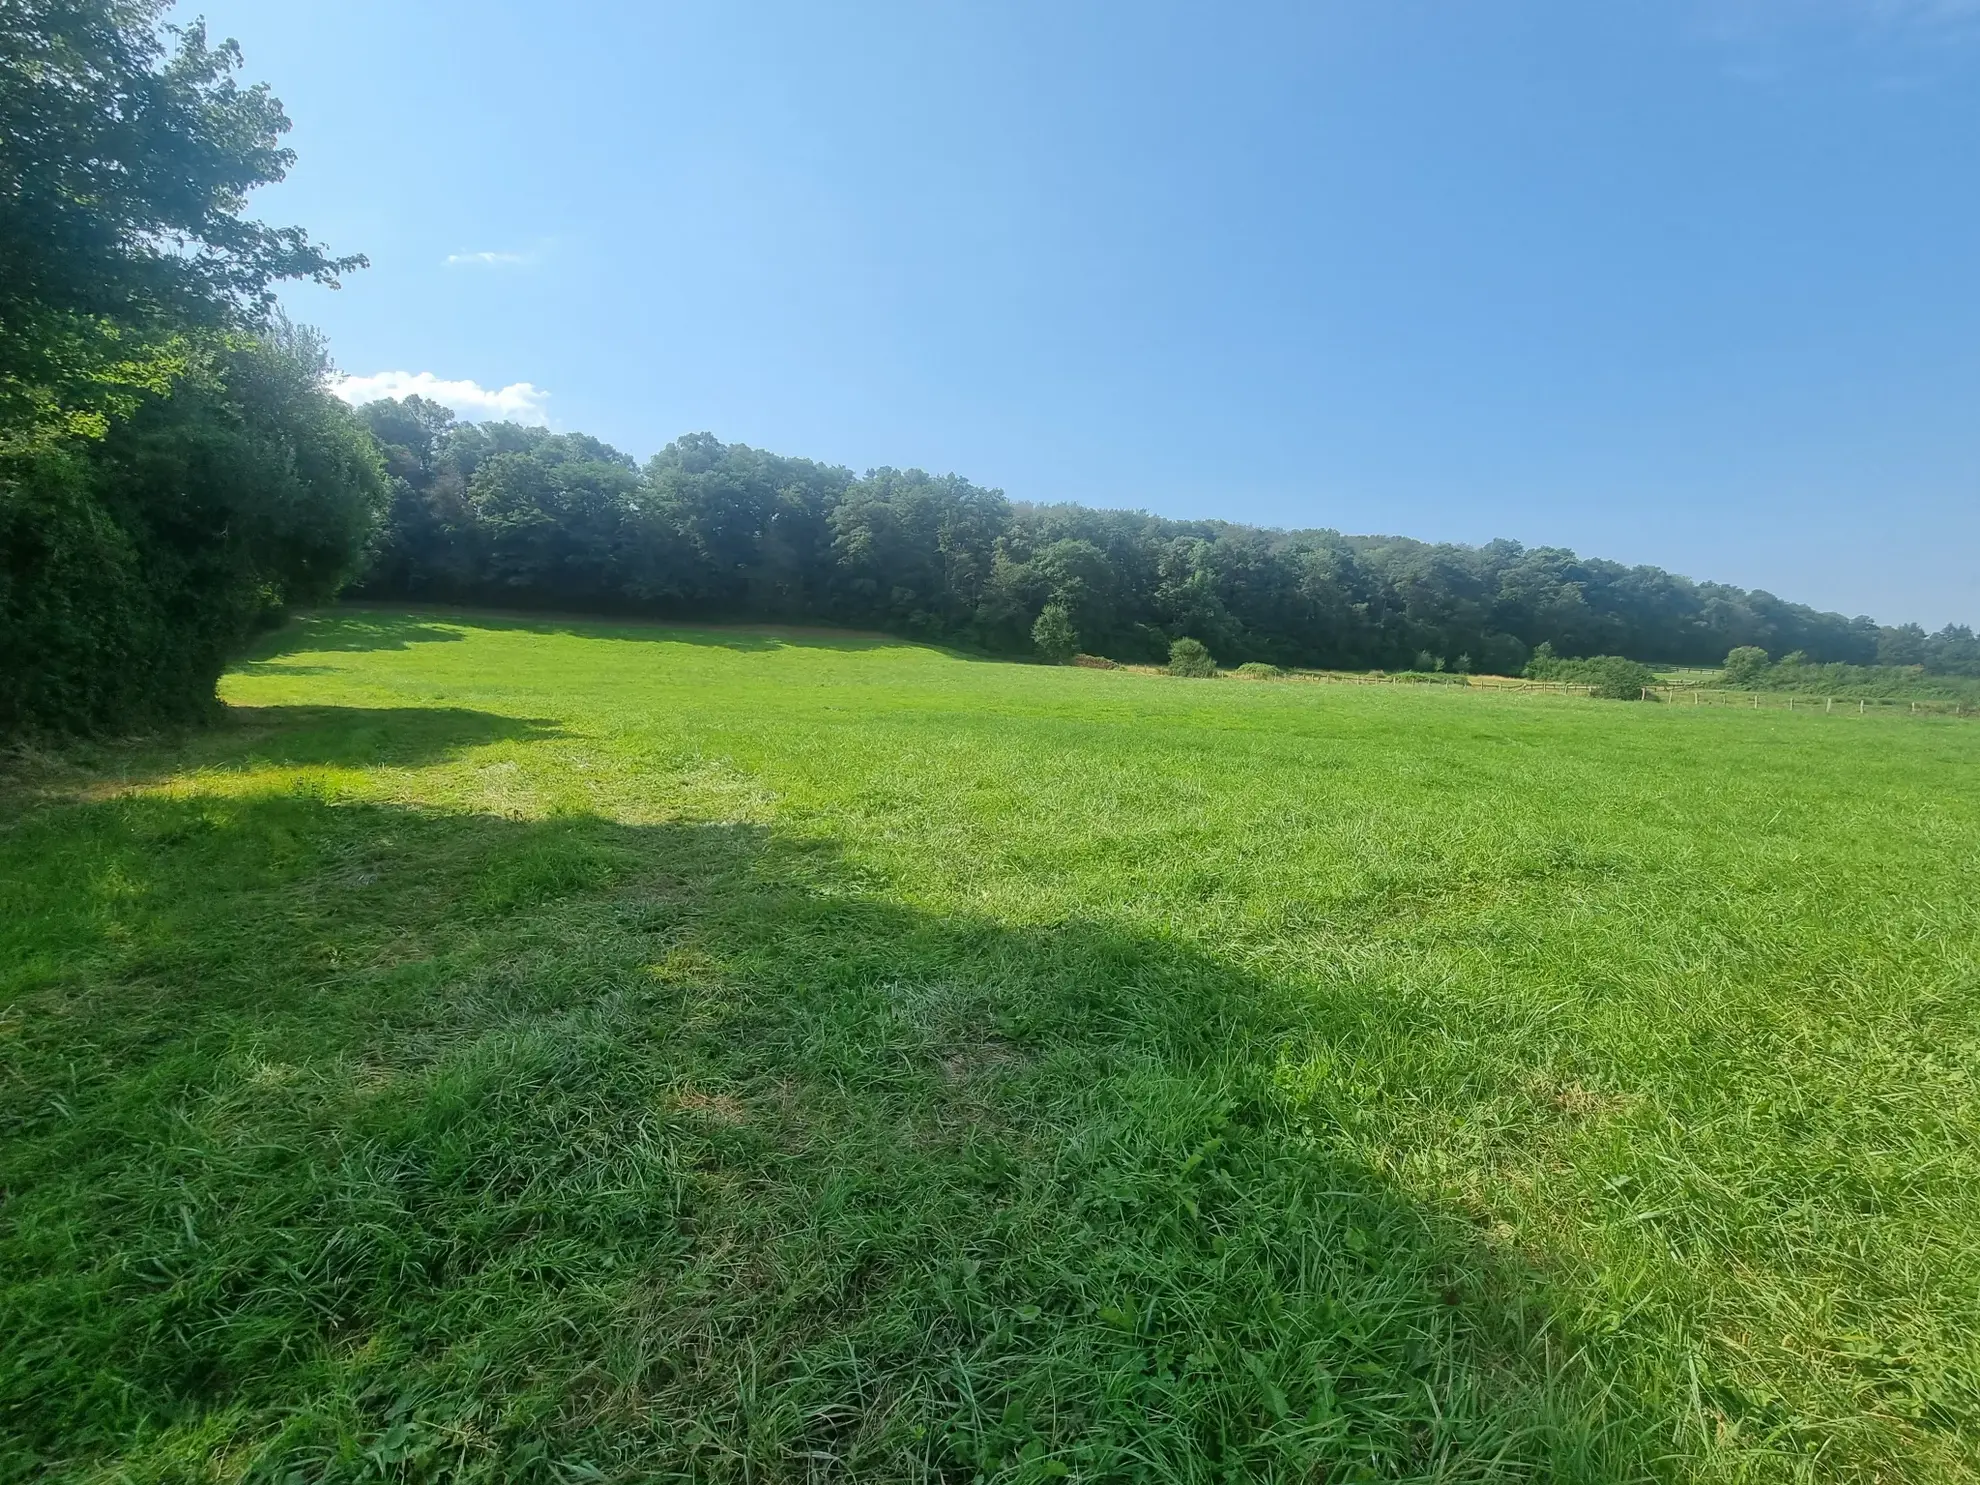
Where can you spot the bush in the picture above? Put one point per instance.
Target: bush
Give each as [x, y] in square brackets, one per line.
[1615, 679]
[1054, 634]
[137, 566]
[1258, 670]
[1608, 676]
[1095, 662]
[1745, 666]
[1189, 657]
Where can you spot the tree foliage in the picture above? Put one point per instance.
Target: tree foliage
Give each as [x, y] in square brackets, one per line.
[1743, 665]
[125, 165]
[718, 530]
[138, 563]
[1610, 677]
[1799, 674]
[172, 468]
[1054, 634]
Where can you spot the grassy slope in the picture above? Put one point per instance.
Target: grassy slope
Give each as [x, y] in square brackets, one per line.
[569, 1052]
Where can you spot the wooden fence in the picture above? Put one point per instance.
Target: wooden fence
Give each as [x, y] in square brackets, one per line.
[1676, 695]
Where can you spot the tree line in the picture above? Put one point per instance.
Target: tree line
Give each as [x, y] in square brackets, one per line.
[499, 514]
[175, 473]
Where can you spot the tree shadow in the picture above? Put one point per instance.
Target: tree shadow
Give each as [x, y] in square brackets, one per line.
[347, 631]
[747, 637]
[350, 1136]
[248, 737]
[356, 736]
[350, 627]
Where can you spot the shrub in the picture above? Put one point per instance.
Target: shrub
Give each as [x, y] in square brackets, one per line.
[1190, 657]
[1054, 634]
[1745, 666]
[1608, 676]
[137, 565]
[1615, 679]
[1095, 662]
[1258, 670]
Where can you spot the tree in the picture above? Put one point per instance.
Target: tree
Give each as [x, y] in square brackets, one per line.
[1953, 651]
[172, 468]
[125, 169]
[1054, 634]
[1904, 644]
[1744, 666]
[554, 520]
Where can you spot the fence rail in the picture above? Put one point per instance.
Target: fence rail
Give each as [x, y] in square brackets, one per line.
[1856, 706]
[1677, 695]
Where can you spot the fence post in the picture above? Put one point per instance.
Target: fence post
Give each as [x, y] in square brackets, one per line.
[1830, 707]
[1859, 707]
[1756, 701]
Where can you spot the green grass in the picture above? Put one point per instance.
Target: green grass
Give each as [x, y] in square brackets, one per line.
[544, 1051]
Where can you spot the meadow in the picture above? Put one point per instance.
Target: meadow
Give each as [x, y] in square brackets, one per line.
[518, 1049]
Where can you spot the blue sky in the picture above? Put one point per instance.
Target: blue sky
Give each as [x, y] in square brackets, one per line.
[1691, 282]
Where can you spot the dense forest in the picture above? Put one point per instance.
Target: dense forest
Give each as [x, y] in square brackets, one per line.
[175, 472]
[500, 514]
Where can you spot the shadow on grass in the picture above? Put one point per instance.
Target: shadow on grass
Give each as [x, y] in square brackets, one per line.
[350, 1141]
[350, 631]
[364, 627]
[355, 736]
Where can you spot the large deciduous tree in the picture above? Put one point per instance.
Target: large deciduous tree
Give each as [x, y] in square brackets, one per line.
[173, 469]
[127, 152]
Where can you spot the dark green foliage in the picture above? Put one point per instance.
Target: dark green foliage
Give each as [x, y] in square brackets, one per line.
[740, 532]
[1796, 674]
[725, 531]
[136, 566]
[1608, 676]
[915, 553]
[1189, 657]
[172, 469]
[1744, 665]
[1054, 634]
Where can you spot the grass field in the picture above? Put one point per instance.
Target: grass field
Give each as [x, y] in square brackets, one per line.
[541, 1051]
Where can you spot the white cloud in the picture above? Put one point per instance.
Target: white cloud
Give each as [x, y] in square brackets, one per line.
[487, 260]
[519, 402]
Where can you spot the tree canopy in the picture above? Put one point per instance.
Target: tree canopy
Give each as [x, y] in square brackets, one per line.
[173, 469]
[125, 165]
[715, 530]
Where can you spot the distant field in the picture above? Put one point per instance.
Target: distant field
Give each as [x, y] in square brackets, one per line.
[551, 1051]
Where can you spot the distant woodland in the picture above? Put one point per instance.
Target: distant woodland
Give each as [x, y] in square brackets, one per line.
[501, 514]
